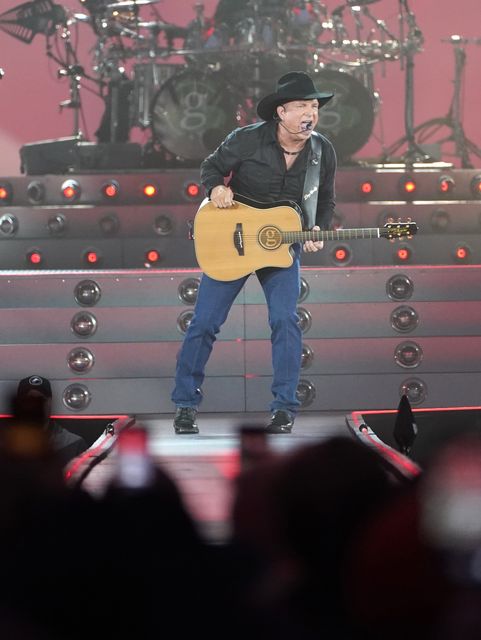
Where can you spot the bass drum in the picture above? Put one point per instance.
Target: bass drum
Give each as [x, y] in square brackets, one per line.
[348, 119]
[192, 113]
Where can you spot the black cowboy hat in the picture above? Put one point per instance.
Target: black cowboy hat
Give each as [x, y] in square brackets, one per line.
[295, 85]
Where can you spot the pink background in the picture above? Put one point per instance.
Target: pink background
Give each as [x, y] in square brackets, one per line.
[31, 91]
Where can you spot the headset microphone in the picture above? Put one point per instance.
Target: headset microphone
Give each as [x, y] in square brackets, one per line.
[305, 127]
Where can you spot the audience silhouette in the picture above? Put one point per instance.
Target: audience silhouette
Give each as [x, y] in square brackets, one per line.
[324, 539]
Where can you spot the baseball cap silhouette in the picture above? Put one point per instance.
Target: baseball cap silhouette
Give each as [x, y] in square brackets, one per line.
[34, 383]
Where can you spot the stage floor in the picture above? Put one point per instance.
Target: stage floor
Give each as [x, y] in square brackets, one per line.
[205, 465]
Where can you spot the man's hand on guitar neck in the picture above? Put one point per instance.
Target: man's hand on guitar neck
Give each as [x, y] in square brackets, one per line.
[311, 245]
[222, 197]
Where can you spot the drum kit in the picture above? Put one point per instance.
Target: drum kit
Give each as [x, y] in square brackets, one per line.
[187, 87]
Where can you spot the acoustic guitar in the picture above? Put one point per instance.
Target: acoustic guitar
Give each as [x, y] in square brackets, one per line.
[233, 242]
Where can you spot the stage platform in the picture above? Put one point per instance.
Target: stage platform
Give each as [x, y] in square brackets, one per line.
[204, 465]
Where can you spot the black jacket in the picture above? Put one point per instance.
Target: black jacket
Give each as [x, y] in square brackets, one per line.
[254, 162]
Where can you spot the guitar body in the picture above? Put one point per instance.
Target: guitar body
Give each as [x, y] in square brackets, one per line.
[231, 243]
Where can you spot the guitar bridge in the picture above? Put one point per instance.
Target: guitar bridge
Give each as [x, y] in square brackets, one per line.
[239, 239]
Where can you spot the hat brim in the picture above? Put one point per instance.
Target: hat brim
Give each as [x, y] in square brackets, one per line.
[266, 108]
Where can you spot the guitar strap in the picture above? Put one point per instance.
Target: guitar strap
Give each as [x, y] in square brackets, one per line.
[310, 192]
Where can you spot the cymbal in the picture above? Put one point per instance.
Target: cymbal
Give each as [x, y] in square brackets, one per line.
[360, 3]
[129, 4]
[81, 17]
[168, 28]
[149, 24]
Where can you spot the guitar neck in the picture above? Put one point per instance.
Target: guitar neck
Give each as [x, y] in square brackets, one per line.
[339, 234]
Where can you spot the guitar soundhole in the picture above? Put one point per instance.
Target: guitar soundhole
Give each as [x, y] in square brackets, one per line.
[270, 238]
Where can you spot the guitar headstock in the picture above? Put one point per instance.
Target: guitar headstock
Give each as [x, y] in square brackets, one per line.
[399, 229]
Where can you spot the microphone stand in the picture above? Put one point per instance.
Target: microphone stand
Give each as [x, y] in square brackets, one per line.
[414, 152]
[71, 69]
[463, 146]
[460, 142]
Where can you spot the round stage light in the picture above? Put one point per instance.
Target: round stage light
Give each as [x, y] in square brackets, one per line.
[462, 253]
[416, 390]
[87, 293]
[305, 319]
[184, 320]
[366, 188]
[110, 190]
[188, 290]
[70, 190]
[150, 190]
[6, 193]
[440, 220]
[304, 290]
[8, 224]
[399, 287]
[408, 187]
[305, 393]
[109, 225]
[84, 324]
[91, 257]
[76, 397]
[36, 192]
[408, 355]
[341, 254]
[404, 319]
[403, 254]
[152, 256]
[446, 184]
[163, 225]
[57, 224]
[34, 257]
[80, 360]
[192, 190]
[307, 356]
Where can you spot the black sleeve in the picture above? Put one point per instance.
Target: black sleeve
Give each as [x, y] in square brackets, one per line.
[221, 162]
[326, 202]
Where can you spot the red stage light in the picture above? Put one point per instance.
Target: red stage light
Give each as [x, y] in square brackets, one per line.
[91, 257]
[192, 189]
[152, 256]
[110, 189]
[149, 190]
[446, 184]
[70, 190]
[367, 187]
[341, 254]
[409, 186]
[403, 254]
[34, 257]
[5, 193]
[462, 253]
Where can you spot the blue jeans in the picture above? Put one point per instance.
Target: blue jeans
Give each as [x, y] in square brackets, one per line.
[281, 288]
